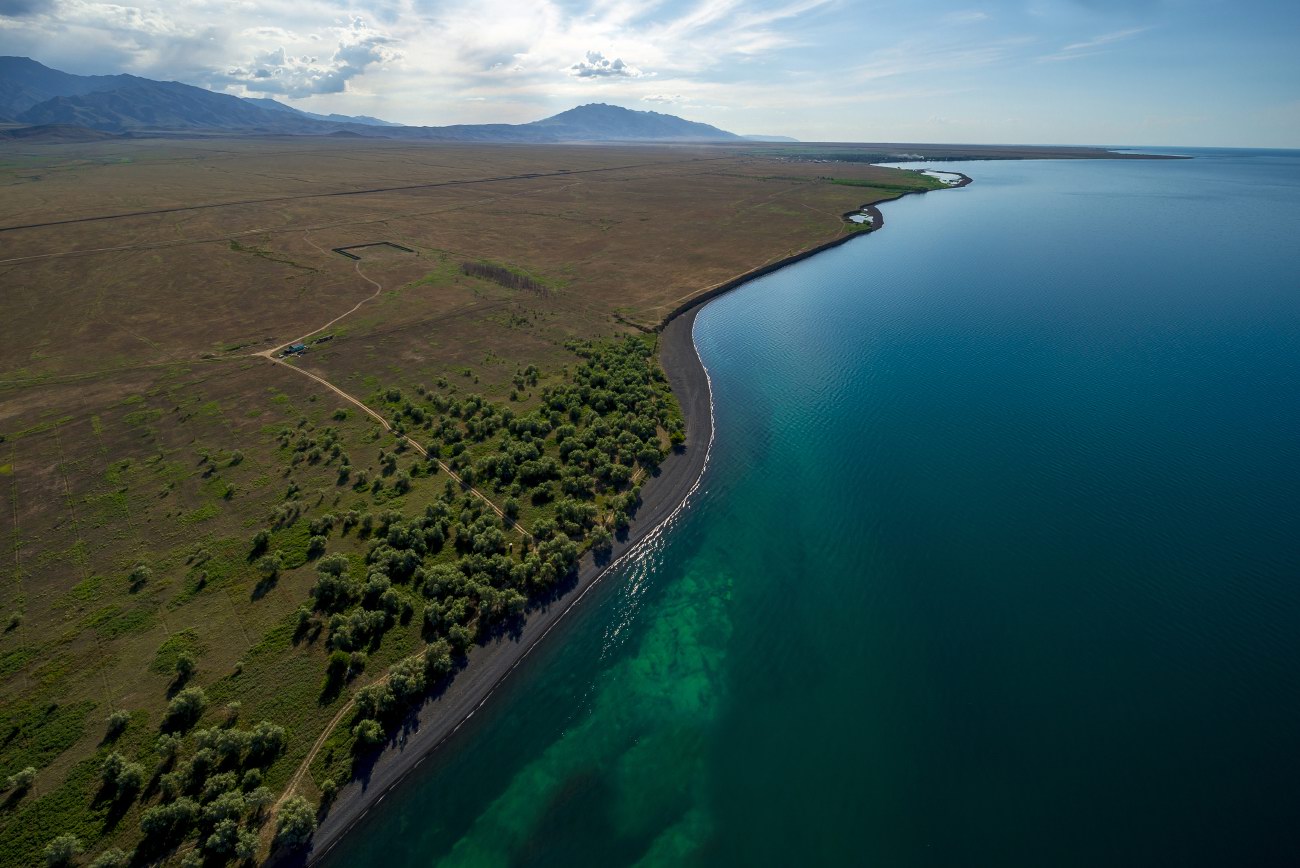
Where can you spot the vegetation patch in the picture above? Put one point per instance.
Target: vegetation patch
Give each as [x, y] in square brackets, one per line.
[15, 659]
[111, 622]
[173, 648]
[137, 418]
[923, 182]
[203, 513]
[32, 734]
[511, 278]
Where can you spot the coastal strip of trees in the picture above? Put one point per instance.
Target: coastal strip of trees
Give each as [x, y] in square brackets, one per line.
[564, 460]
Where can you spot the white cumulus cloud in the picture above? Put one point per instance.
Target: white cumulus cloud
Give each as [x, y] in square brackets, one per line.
[278, 72]
[598, 65]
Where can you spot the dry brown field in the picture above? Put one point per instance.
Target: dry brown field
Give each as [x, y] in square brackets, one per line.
[137, 280]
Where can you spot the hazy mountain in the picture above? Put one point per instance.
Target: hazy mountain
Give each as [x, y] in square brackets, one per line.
[25, 83]
[39, 96]
[598, 121]
[55, 134]
[161, 105]
[275, 105]
[768, 139]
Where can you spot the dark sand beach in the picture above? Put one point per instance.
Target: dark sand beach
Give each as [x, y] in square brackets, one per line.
[489, 664]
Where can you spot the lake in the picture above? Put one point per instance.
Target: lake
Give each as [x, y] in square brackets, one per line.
[996, 562]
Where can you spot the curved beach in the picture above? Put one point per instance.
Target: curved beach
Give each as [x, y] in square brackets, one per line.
[439, 719]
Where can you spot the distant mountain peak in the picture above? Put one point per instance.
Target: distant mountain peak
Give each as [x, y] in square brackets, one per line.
[33, 94]
[614, 122]
[276, 105]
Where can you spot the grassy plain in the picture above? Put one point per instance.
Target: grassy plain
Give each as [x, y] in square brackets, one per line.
[139, 428]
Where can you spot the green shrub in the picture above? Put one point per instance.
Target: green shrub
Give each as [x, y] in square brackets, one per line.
[21, 781]
[185, 709]
[368, 732]
[117, 723]
[62, 850]
[296, 823]
[113, 857]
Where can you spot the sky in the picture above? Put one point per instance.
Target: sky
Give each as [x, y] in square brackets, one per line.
[1106, 72]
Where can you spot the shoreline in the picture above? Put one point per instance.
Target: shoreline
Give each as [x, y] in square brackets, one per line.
[439, 719]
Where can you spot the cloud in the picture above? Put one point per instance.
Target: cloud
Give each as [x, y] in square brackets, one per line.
[1096, 45]
[23, 8]
[663, 97]
[598, 65]
[1117, 5]
[971, 16]
[276, 71]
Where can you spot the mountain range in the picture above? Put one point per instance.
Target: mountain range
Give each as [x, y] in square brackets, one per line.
[34, 95]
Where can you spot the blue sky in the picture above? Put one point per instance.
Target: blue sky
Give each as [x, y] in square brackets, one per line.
[1158, 72]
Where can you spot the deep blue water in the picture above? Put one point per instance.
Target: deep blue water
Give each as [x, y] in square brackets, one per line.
[997, 561]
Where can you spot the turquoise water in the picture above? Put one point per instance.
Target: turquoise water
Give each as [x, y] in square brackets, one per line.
[997, 561]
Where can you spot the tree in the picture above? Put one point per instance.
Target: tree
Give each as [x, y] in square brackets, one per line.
[259, 799]
[62, 850]
[113, 857]
[167, 746]
[296, 823]
[269, 565]
[232, 711]
[130, 780]
[368, 732]
[111, 768]
[336, 670]
[230, 743]
[227, 806]
[171, 784]
[333, 591]
[406, 678]
[265, 742]
[139, 576]
[334, 565]
[245, 845]
[117, 723]
[166, 822]
[218, 785]
[185, 665]
[224, 837]
[186, 708]
[437, 660]
[261, 540]
[21, 781]
[328, 790]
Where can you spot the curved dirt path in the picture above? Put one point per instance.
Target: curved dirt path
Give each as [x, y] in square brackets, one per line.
[374, 414]
[303, 768]
[378, 289]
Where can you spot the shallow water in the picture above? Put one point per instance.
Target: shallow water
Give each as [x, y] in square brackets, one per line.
[996, 562]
